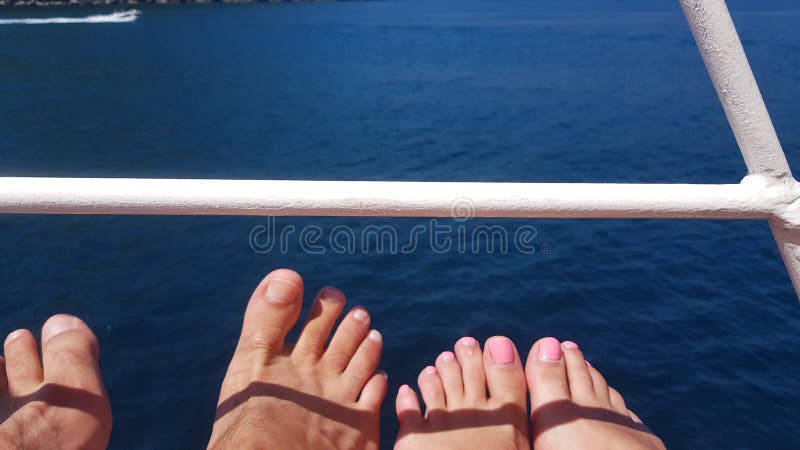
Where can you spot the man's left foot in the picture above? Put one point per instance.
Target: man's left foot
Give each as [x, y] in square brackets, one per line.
[311, 394]
[58, 402]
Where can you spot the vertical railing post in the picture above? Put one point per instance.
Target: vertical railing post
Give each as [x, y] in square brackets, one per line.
[722, 52]
[724, 57]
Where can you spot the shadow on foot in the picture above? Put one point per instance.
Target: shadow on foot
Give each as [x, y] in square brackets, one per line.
[560, 412]
[470, 418]
[351, 417]
[55, 395]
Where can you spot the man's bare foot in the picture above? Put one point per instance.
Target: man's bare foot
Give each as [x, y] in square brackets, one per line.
[573, 407]
[58, 402]
[459, 413]
[305, 395]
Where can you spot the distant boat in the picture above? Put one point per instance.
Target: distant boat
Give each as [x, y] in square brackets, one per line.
[115, 17]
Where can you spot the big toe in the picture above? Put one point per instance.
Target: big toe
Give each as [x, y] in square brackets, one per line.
[504, 375]
[70, 354]
[546, 373]
[72, 380]
[271, 313]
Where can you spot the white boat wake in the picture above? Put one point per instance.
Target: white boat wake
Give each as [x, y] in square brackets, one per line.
[116, 17]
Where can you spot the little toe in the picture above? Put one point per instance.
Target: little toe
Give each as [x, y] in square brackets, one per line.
[546, 373]
[70, 354]
[430, 385]
[504, 375]
[23, 369]
[452, 382]
[470, 358]
[581, 386]
[271, 313]
[347, 339]
[634, 417]
[362, 366]
[321, 319]
[409, 413]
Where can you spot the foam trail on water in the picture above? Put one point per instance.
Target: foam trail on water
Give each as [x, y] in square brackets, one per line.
[116, 17]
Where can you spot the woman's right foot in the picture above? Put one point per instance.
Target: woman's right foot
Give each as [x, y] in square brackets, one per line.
[460, 413]
[572, 407]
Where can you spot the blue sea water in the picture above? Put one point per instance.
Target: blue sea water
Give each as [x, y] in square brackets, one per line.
[695, 322]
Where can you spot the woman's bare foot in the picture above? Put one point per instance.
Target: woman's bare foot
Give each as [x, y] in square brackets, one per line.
[459, 413]
[573, 407]
[306, 395]
[58, 402]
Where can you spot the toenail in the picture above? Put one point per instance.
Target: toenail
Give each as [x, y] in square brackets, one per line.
[404, 389]
[447, 356]
[385, 375]
[282, 291]
[549, 349]
[430, 370]
[468, 344]
[588, 364]
[59, 324]
[501, 350]
[331, 294]
[360, 315]
[13, 336]
[468, 341]
[374, 336]
[569, 345]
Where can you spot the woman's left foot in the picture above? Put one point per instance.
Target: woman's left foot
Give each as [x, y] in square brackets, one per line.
[459, 412]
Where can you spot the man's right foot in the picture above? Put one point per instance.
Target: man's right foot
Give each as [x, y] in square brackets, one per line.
[572, 407]
[306, 395]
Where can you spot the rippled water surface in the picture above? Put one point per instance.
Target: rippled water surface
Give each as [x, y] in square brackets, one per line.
[694, 322]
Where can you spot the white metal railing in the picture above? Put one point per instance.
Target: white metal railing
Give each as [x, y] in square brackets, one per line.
[768, 192]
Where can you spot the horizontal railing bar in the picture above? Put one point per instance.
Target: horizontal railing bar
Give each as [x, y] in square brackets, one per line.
[383, 198]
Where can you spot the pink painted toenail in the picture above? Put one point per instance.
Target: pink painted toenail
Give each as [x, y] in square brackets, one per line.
[375, 336]
[404, 389]
[569, 344]
[549, 349]
[360, 315]
[501, 350]
[447, 356]
[331, 294]
[13, 336]
[588, 364]
[281, 291]
[430, 370]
